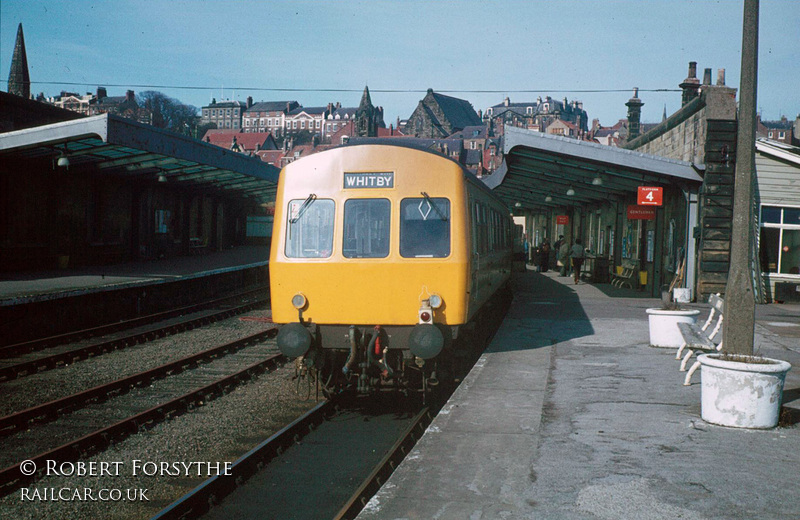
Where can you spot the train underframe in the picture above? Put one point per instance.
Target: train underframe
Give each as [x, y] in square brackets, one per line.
[369, 359]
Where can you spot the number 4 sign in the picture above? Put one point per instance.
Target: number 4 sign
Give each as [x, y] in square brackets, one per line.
[650, 196]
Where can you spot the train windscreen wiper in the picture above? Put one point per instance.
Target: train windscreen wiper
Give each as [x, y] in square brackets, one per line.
[434, 206]
[311, 198]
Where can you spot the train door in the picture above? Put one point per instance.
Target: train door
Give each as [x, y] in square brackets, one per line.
[475, 260]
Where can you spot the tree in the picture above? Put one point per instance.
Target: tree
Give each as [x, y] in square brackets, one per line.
[169, 113]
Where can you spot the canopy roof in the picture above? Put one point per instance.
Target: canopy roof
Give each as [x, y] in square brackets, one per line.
[116, 146]
[539, 165]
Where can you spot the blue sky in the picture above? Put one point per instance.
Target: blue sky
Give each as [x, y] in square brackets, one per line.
[520, 49]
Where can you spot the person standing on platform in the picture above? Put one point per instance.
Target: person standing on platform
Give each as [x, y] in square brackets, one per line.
[545, 256]
[563, 257]
[577, 255]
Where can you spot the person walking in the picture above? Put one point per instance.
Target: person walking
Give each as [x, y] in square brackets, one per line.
[563, 257]
[545, 256]
[577, 255]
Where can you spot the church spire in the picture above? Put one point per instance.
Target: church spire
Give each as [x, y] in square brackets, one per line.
[365, 100]
[19, 82]
[366, 117]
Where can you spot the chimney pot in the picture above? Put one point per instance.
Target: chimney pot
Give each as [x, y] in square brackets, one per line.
[707, 77]
[721, 77]
[692, 69]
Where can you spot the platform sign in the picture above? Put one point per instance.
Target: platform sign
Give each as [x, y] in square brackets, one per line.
[562, 220]
[641, 213]
[650, 196]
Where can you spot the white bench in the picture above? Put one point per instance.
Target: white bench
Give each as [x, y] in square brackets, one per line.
[699, 338]
[629, 270]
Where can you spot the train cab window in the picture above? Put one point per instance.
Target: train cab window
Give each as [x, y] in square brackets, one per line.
[366, 228]
[309, 228]
[425, 227]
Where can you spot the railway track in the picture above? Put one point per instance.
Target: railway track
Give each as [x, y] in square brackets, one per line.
[326, 464]
[24, 367]
[18, 349]
[181, 380]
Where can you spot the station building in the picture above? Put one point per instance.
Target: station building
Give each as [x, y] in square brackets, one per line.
[96, 190]
[584, 190]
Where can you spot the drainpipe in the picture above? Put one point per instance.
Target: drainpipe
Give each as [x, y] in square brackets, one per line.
[692, 221]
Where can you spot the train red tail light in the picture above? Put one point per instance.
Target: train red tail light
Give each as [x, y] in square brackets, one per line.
[425, 317]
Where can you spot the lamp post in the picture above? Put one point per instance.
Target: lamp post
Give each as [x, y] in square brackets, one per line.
[739, 325]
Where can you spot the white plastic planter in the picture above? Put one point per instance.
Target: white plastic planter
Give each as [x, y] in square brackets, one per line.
[664, 330]
[741, 394]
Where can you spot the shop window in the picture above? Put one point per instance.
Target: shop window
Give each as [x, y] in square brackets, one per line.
[779, 245]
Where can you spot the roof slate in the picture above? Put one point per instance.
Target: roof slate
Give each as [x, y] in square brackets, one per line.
[459, 112]
[270, 106]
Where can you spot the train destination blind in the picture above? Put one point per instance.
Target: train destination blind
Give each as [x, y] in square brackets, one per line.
[368, 180]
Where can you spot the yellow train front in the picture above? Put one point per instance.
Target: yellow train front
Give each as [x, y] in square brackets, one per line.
[382, 255]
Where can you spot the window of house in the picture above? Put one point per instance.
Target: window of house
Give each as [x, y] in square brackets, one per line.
[425, 227]
[779, 245]
[318, 125]
[309, 231]
[781, 135]
[302, 124]
[366, 228]
[770, 135]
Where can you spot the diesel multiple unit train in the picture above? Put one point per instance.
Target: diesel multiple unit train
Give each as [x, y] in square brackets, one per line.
[383, 258]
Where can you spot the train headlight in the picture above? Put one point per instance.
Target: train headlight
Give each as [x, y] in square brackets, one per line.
[293, 340]
[436, 301]
[426, 341]
[299, 301]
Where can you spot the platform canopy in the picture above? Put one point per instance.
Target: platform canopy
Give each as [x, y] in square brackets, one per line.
[539, 169]
[113, 145]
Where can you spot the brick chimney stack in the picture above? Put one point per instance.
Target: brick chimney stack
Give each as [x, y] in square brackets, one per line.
[634, 105]
[720, 77]
[690, 85]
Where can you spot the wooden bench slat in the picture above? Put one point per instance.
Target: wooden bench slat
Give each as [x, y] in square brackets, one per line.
[699, 338]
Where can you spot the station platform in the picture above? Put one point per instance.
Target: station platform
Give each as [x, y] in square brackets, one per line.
[17, 288]
[571, 414]
[43, 303]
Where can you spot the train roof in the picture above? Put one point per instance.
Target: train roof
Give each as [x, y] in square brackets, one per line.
[419, 144]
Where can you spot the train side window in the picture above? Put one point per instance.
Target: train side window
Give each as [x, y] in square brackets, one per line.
[366, 228]
[425, 228]
[309, 231]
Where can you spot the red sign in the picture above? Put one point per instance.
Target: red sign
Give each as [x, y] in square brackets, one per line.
[562, 220]
[650, 196]
[641, 213]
